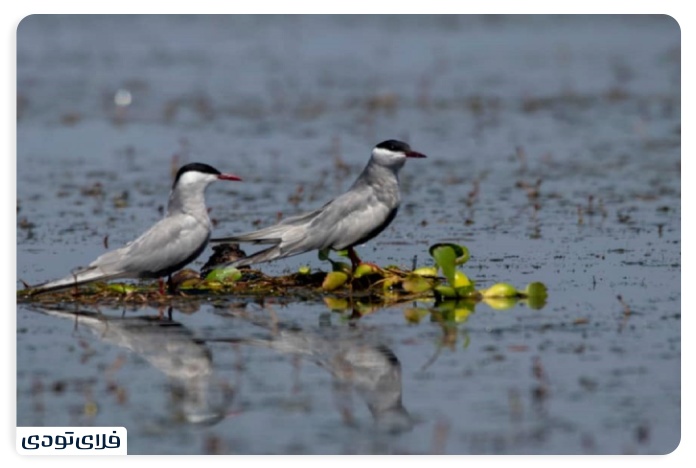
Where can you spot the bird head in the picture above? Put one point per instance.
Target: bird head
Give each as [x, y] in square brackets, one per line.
[393, 154]
[197, 176]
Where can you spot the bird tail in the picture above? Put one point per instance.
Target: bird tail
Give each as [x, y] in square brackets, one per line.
[257, 237]
[78, 278]
[272, 234]
[265, 255]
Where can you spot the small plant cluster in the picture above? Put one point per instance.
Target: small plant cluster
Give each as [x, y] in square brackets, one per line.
[442, 282]
[425, 281]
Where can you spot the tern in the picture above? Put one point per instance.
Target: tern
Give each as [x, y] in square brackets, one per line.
[351, 219]
[169, 245]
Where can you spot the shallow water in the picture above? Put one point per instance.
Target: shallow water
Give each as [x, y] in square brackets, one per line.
[554, 156]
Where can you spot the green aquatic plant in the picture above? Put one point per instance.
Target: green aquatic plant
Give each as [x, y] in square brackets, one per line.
[334, 280]
[376, 286]
[448, 257]
[227, 274]
[366, 269]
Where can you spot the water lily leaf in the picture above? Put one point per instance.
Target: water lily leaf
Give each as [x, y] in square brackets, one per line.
[536, 295]
[445, 256]
[366, 269]
[536, 289]
[425, 271]
[224, 275]
[442, 291]
[500, 290]
[334, 280]
[416, 284]
[468, 292]
[342, 253]
[461, 253]
[461, 280]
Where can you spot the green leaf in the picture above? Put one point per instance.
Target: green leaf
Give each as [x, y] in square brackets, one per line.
[536, 289]
[366, 269]
[416, 284]
[122, 288]
[224, 275]
[461, 253]
[445, 257]
[466, 291]
[461, 280]
[536, 295]
[442, 291]
[425, 271]
[334, 280]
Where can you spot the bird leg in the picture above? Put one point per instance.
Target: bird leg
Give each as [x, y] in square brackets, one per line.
[354, 259]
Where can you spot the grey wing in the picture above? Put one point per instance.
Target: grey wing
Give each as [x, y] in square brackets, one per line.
[271, 234]
[167, 246]
[352, 218]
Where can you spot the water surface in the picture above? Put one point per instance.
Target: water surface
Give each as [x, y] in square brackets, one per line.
[553, 150]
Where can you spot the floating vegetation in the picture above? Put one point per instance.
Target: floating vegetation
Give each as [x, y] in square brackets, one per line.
[361, 291]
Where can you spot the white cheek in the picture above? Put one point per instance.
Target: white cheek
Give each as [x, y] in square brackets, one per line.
[195, 178]
[383, 154]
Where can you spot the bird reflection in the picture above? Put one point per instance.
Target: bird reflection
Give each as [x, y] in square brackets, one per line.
[169, 347]
[356, 362]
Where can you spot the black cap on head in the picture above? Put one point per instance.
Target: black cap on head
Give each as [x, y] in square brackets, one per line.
[197, 167]
[394, 145]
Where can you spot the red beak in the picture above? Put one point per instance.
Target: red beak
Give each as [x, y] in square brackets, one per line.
[229, 177]
[415, 154]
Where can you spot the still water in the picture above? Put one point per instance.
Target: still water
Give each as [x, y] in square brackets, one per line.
[553, 150]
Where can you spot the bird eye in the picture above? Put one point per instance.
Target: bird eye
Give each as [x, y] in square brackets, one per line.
[394, 146]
